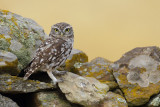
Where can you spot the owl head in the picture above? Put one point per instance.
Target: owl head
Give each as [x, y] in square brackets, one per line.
[62, 30]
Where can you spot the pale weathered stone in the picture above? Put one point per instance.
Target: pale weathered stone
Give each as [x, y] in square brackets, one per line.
[13, 84]
[20, 36]
[75, 59]
[7, 102]
[138, 74]
[8, 63]
[85, 91]
[113, 100]
[50, 99]
[154, 102]
[99, 69]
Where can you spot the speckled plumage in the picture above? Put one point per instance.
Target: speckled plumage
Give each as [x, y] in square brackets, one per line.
[53, 52]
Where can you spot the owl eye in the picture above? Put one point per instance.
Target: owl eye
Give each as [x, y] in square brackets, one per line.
[56, 30]
[67, 30]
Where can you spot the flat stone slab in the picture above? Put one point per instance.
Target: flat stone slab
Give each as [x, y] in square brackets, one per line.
[85, 91]
[13, 84]
[114, 100]
[7, 102]
[8, 63]
[50, 99]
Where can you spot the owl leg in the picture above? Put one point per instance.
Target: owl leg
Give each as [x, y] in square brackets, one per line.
[53, 78]
[56, 72]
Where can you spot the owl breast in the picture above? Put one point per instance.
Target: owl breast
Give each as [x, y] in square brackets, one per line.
[59, 56]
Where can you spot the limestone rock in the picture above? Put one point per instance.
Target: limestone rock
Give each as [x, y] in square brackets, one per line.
[154, 102]
[20, 36]
[118, 91]
[114, 100]
[7, 102]
[85, 91]
[8, 63]
[50, 99]
[112, 84]
[13, 84]
[99, 69]
[138, 74]
[75, 59]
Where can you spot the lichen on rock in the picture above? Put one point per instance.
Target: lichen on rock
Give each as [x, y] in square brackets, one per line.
[8, 63]
[85, 91]
[138, 73]
[19, 35]
[98, 68]
[13, 84]
[154, 102]
[7, 102]
[113, 100]
[50, 99]
[75, 60]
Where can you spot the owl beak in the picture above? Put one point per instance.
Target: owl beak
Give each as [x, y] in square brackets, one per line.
[61, 34]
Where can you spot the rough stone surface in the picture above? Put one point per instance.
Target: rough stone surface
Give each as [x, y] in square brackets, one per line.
[85, 91]
[8, 63]
[114, 100]
[99, 69]
[138, 74]
[7, 102]
[50, 99]
[154, 102]
[13, 84]
[19, 35]
[118, 91]
[76, 58]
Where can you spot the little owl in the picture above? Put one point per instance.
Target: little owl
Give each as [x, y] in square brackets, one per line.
[53, 52]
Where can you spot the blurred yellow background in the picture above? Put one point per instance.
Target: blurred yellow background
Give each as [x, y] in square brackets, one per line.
[105, 28]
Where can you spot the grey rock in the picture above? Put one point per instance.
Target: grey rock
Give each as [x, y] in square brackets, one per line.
[13, 84]
[7, 102]
[113, 100]
[20, 36]
[154, 102]
[50, 99]
[75, 60]
[99, 69]
[8, 63]
[118, 91]
[137, 74]
[85, 91]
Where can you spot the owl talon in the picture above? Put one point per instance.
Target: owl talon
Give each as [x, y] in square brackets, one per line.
[54, 82]
[60, 80]
[60, 72]
[57, 81]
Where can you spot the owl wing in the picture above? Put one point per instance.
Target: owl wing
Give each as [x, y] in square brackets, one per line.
[49, 49]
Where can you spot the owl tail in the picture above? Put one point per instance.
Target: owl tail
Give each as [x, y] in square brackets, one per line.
[27, 71]
[24, 70]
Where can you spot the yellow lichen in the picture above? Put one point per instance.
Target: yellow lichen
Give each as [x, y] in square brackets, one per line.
[14, 20]
[7, 39]
[133, 92]
[158, 67]
[5, 12]
[80, 57]
[142, 70]
[2, 36]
